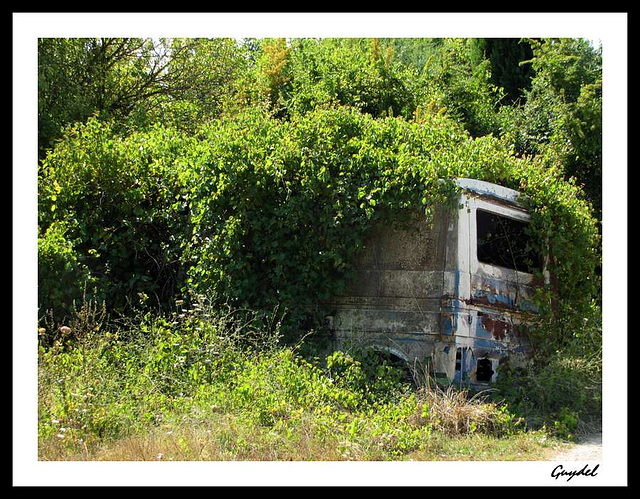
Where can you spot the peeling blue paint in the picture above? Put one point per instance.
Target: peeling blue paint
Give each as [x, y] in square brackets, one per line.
[465, 365]
[455, 301]
[468, 313]
[494, 298]
[481, 332]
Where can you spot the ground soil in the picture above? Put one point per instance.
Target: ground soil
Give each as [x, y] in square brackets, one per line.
[587, 447]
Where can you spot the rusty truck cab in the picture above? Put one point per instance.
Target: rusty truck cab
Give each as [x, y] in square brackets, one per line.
[452, 293]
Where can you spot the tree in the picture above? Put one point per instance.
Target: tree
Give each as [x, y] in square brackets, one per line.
[133, 81]
[207, 157]
[508, 71]
[561, 118]
[301, 75]
[458, 80]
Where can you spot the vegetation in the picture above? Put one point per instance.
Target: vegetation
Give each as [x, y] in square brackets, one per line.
[249, 173]
[204, 384]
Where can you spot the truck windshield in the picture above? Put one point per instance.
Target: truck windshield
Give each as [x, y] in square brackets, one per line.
[505, 242]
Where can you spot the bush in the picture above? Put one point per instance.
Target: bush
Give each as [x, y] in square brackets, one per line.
[117, 201]
[263, 214]
[106, 381]
[62, 277]
[215, 373]
[563, 393]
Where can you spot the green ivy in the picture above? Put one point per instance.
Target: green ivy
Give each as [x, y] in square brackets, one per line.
[259, 213]
[118, 198]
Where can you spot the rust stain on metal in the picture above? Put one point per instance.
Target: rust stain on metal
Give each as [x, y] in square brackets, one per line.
[496, 327]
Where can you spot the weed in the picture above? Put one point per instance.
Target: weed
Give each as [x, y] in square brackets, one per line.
[201, 384]
[454, 411]
[563, 393]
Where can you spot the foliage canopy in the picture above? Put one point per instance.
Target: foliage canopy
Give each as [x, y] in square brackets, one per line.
[251, 172]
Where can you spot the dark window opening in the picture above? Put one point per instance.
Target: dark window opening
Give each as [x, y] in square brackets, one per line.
[505, 242]
[484, 370]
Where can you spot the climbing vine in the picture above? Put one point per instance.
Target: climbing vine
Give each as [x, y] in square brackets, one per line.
[260, 213]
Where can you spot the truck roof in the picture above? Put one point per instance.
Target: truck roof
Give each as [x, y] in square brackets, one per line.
[487, 189]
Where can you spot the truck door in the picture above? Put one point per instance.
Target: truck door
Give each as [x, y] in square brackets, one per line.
[502, 265]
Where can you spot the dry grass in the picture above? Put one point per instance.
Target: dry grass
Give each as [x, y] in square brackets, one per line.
[220, 444]
[462, 427]
[453, 411]
[228, 442]
[225, 438]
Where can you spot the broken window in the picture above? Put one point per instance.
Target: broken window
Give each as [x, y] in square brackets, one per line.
[504, 242]
[458, 360]
[464, 363]
[484, 370]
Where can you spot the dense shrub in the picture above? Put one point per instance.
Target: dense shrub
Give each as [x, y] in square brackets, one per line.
[258, 213]
[235, 388]
[562, 393]
[62, 277]
[117, 197]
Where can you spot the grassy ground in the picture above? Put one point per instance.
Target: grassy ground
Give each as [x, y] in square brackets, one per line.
[227, 440]
[203, 387]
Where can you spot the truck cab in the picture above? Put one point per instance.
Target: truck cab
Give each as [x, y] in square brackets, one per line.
[452, 293]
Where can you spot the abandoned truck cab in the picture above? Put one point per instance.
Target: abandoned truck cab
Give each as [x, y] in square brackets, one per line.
[451, 294]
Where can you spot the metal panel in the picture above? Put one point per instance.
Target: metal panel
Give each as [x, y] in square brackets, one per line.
[421, 292]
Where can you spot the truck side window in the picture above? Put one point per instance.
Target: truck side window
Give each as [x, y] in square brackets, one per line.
[504, 242]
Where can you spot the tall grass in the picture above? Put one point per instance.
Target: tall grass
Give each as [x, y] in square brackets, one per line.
[203, 384]
[453, 411]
